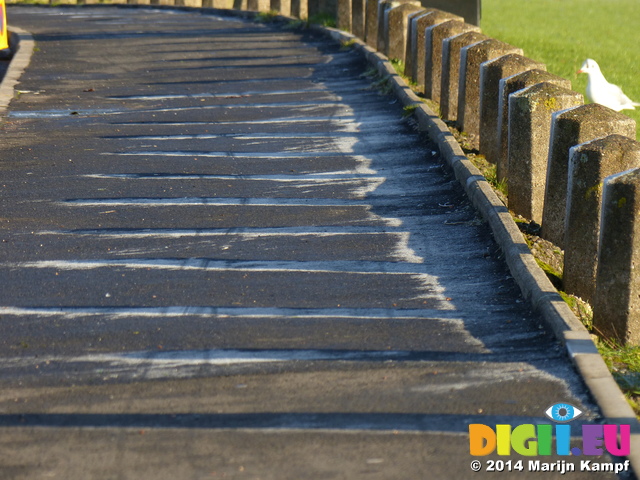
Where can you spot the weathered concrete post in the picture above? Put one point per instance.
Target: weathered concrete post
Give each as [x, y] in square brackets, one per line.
[410, 59]
[508, 86]
[371, 23]
[589, 164]
[616, 308]
[417, 40]
[258, 5]
[434, 40]
[469, 94]
[343, 16]
[283, 7]
[300, 9]
[358, 9]
[529, 129]
[327, 7]
[396, 28]
[570, 128]
[449, 85]
[491, 73]
[383, 22]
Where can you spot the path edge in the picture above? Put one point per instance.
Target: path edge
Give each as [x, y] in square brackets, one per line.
[533, 282]
[22, 46]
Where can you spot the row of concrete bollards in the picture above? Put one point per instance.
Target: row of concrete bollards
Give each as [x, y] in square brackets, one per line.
[573, 168]
[562, 161]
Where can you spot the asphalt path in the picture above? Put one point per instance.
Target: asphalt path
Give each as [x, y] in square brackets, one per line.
[225, 253]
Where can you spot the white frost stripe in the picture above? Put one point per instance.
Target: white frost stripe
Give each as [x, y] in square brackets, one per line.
[343, 120]
[237, 312]
[243, 232]
[303, 106]
[231, 357]
[304, 178]
[214, 201]
[268, 155]
[235, 136]
[221, 95]
[348, 267]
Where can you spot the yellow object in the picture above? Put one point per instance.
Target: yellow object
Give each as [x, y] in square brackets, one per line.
[4, 38]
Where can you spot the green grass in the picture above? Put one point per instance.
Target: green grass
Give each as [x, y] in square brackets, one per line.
[624, 363]
[563, 33]
[324, 19]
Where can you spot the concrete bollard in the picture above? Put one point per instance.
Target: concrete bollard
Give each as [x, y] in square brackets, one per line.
[396, 28]
[343, 15]
[371, 23]
[449, 85]
[508, 86]
[529, 129]
[258, 5]
[616, 308]
[323, 7]
[417, 40]
[471, 58]
[568, 129]
[589, 164]
[434, 39]
[300, 9]
[491, 73]
[410, 59]
[383, 6]
[358, 9]
[283, 7]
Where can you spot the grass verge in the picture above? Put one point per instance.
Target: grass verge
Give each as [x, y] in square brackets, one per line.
[562, 34]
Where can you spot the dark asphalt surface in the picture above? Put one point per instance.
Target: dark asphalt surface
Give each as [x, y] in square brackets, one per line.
[225, 255]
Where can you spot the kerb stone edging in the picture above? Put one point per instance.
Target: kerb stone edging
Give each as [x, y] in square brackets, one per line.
[533, 282]
[22, 45]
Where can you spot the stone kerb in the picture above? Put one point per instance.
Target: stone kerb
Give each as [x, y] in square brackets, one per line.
[529, 129]
[435, 36]
[491, 73]
[508, 86]
[449, 85]
[396, 28]
[568, 129]
[616, 308]
[589, 164]
[471, 57]
[417, 42]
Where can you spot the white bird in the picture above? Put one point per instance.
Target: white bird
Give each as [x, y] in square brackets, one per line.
[602, 92]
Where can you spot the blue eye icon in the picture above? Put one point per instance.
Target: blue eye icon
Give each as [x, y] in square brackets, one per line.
[563, 412]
